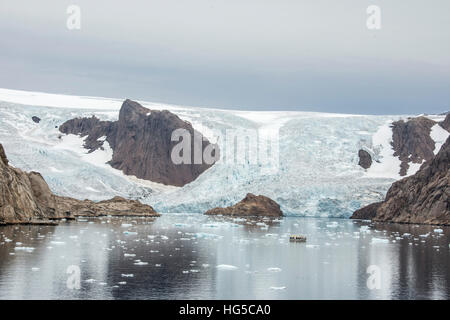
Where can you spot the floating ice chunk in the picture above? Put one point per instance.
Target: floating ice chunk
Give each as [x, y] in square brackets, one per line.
[210, 225]
[364, 229]
[226, 267]
[379, 240]
[438, 230]
[141, 263]
[58, 243]
[90, 280]
[126, 225]
[122, 283]
[207, 235]
[127, 275]
[164, 238]
[34, 269]
[129, 255]
[274, 269]
[312, 246]
[26, 249]
[271, 235]
[277, 288]
[205, 265]
[333, 224]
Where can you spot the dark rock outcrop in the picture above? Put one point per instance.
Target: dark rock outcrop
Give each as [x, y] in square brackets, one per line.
[141, 143]
[26, 198]
[365, 159]
[36, 119]
[446, 123]
[423, 197]
[251, 205]
[412, 142]
[367, 213]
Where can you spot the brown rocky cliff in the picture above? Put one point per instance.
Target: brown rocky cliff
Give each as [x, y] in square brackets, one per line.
[421, 198]
[26, 197]
[446, 123]
[251, 205]
[411, 141]
[141, 143]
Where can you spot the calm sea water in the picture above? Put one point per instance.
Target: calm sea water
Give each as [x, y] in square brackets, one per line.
[199, 257]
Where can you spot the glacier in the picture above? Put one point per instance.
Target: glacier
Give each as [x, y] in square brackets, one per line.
[318, 173]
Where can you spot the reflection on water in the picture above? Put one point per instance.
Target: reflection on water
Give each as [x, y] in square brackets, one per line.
[199, 257]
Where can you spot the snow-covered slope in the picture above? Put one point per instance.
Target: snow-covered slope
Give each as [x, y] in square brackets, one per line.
[317, 175]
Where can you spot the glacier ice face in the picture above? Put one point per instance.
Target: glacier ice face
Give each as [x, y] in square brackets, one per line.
[317, 172]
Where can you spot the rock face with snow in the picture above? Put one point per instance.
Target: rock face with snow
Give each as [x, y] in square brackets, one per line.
[26, 197]
[412, 142]
[141, 143]
[365, 159]
[421, 198]
[446, 123]
[251, 205]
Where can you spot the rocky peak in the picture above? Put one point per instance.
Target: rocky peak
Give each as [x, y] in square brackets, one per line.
[141, 143]
[131, 111]
[446, 123]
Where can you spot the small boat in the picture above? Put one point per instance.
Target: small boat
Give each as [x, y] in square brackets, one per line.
[297, 238]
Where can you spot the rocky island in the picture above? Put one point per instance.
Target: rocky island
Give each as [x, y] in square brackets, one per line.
[251, 205]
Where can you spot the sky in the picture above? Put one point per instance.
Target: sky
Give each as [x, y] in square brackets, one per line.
[238, 54]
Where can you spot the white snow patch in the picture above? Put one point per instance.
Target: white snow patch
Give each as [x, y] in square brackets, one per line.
[226, 267]
[389, 166]
[439, 136]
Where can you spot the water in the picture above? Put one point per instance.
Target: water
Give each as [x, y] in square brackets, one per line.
[197, 257]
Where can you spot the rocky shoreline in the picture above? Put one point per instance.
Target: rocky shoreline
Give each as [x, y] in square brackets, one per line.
[25, 198]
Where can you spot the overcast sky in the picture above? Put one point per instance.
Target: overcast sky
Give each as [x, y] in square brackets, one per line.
[315, 55]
